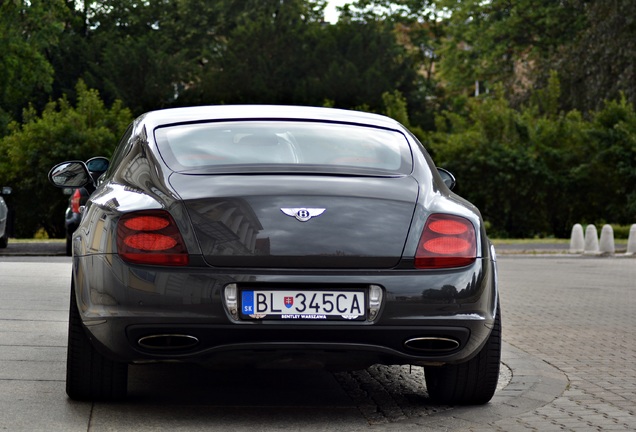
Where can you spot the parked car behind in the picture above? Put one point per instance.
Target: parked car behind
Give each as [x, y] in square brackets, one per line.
[4, 218]
[73, 215]
[272, 236]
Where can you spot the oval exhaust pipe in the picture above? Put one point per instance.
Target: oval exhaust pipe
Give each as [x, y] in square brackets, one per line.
[168, 342]
[432, 344]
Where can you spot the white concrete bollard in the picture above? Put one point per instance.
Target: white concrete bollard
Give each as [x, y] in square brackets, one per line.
[607, 240]
[631, 241]
[577, 241]
[591, 240]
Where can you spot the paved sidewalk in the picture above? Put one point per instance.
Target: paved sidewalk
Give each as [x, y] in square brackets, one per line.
[584, 324]
[569, 330]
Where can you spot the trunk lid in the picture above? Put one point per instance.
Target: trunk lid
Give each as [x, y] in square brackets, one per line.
[292, 221]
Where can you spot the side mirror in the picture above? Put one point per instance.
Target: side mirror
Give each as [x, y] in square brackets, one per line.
[447, 178]
[6, 190]
[72, 174]
[97, 165]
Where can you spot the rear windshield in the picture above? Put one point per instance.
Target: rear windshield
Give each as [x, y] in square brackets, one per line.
[282, 146]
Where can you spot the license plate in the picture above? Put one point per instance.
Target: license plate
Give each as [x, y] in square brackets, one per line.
[303, 305]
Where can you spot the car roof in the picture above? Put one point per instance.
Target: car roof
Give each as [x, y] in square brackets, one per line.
[168, 116]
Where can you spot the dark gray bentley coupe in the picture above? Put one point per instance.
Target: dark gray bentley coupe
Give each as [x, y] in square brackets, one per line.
[269, 236]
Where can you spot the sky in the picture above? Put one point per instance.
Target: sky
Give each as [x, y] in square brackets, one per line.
[331, 15]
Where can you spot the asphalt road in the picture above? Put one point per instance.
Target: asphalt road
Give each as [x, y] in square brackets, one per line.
[569, 356]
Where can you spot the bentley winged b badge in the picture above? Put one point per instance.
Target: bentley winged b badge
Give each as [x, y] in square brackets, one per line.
[303, 214]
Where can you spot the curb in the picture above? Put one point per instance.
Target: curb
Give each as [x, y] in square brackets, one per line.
[534, 384]
[43, 248]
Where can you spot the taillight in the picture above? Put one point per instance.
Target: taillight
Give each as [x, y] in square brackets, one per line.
[447, 241]
[75, 201]
[150, 237]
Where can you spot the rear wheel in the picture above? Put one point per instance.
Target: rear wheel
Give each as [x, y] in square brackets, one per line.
[89, 375]
[471, 383]
[4, 240]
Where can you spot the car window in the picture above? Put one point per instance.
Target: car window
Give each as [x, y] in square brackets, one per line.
[120, 152]
[282, 143]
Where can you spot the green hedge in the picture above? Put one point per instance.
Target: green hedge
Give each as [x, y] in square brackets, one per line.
[62, 132]
[535, 171]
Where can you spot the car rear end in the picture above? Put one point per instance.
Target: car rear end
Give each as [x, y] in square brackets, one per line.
[285, 242]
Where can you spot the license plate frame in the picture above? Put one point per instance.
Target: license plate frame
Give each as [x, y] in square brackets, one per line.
[338, 304]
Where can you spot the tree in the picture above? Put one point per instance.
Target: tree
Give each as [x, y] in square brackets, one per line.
[606, 178]
[600, 63]
[267, 53]
[145, 53]
[366, 61]
[160, 53]
[62, 132]
[27, 30]
[418, 29]
[506, 42]
[282, 52]
[516, 164]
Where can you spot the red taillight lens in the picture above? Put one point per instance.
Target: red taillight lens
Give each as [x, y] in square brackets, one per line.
[447, 241]
[150, 237]
[146, 223]
[150, 242]
[75, 201]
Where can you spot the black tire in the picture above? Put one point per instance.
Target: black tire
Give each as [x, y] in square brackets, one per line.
[4, 241]
[471, 383]
[89, 375]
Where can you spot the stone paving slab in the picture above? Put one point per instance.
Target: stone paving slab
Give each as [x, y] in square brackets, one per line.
[26, 406]
[582, 322]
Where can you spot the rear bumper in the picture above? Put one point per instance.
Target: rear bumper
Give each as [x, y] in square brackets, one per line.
[122, 305]
[337, 347]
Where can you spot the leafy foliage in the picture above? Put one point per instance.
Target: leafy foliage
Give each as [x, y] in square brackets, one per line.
[611, 163]
[511, 43]
[537, 171]
[27, 30]
[475, 80]
[600, 63]
[62, 132]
